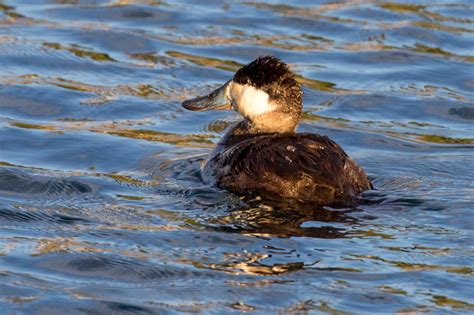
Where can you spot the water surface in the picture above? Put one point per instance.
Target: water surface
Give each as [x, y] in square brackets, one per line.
[102, 208]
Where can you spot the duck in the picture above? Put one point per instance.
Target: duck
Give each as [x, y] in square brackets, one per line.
[262, 155]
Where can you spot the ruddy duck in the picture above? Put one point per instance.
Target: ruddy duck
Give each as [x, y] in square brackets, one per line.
[263, 155]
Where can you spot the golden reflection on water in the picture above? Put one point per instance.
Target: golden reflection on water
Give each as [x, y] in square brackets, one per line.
[102, 207]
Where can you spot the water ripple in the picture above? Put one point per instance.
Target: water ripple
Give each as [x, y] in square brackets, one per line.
[102, 205]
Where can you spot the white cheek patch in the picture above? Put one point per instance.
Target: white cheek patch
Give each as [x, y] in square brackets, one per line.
[249, 101]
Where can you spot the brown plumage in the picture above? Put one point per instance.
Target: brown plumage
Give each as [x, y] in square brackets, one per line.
[304, 167]
[263, 156]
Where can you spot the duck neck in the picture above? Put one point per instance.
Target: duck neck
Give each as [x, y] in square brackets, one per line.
[274, 122]
[246, 129]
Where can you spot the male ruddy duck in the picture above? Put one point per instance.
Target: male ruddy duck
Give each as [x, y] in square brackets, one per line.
[263, 155]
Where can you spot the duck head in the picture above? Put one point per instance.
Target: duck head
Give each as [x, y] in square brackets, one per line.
[264, 92]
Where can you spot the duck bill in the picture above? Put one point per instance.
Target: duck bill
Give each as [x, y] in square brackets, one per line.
[215, 100]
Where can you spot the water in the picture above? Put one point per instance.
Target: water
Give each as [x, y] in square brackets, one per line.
[101, 206]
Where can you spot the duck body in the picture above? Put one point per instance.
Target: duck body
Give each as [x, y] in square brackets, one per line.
[304, 167]
[262, 155]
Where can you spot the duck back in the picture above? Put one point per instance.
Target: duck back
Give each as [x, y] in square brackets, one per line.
[308, 168]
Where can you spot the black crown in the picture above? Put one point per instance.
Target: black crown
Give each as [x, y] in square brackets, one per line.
[263, 71]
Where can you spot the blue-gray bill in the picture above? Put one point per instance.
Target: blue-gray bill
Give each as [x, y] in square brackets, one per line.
[215, 100]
